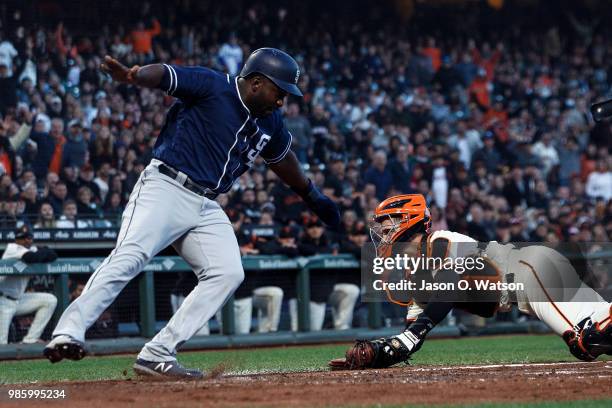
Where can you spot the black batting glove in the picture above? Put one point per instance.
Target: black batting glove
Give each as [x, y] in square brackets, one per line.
[321, 205]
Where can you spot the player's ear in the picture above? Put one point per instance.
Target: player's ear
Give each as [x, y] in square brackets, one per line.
[256, 83]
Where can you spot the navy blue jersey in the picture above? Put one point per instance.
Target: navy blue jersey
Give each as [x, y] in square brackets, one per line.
[209, 133]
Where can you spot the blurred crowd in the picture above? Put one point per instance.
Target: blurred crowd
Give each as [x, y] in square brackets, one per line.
[492, 126]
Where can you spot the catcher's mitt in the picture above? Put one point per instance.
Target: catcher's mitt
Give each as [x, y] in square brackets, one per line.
[383, 353]
[380, 353]
[361, 355]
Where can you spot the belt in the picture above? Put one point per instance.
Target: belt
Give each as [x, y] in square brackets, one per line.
[8, 297]
[187, 182]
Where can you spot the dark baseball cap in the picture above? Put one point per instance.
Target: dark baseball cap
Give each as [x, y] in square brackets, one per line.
[287, 232]
[314, 222]
[23, 232]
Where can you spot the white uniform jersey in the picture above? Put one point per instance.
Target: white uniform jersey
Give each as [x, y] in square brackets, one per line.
[459, 245]
[14, 285]
[454, 245]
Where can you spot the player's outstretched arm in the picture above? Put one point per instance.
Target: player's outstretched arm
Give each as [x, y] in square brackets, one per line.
[289, 170]
[383, 353]
[149, 76]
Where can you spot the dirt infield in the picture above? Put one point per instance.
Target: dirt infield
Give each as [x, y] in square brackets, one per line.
[403, 385]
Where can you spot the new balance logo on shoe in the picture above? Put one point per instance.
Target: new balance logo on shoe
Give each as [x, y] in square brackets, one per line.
[162, 367]
[166, 369]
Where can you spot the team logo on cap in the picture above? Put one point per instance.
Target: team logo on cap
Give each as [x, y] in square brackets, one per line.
[297, 76]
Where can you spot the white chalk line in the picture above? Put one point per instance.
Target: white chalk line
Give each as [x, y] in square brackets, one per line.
[582, 365]
[510, 365]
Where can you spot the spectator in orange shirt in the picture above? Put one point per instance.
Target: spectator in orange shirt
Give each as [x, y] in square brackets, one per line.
[544, 83]
[434, 53]
[57, 133]
[7, 154]
[64, 46]
[142, 38]
[7, 157]
[489, 63]
[480, 90]
[496, 114]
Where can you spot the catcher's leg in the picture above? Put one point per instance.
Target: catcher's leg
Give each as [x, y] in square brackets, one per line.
[556, 296]
[212, 251]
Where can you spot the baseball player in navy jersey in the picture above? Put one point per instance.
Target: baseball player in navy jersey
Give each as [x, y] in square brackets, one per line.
[213, 133]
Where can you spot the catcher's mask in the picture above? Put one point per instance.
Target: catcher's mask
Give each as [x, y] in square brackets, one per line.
[398, 219]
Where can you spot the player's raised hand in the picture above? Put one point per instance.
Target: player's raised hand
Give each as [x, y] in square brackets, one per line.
[118, 71]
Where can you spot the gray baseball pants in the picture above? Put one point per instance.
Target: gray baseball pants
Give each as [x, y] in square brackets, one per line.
[161, 212]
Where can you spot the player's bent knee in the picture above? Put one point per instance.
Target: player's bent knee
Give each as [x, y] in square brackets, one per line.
[276, 292]
[47, 299]
[349, 290]
[273, 292]
[51, 300]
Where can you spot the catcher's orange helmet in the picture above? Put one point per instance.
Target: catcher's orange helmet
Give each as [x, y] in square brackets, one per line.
[397, 219]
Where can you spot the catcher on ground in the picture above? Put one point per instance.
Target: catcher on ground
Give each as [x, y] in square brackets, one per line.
[581, 318]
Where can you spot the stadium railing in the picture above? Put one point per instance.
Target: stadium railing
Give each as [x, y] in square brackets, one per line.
[62, 268]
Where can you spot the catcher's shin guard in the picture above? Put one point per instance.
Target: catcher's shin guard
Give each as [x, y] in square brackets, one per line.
[589, 340]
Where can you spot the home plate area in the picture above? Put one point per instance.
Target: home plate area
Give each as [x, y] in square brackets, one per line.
[420, 385]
